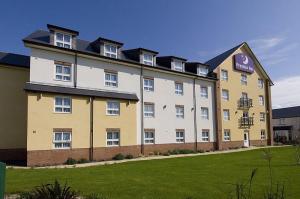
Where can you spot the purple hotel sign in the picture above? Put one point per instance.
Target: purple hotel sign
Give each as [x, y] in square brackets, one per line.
[243, 63]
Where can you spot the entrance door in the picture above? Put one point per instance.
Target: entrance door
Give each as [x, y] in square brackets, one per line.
[246, 138]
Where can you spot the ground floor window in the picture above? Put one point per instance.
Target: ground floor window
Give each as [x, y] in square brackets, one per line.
[149, 136]
[113, 137]
[180, 136]
[263, 134]
[205, 135]
[227, 135]
[62, 140]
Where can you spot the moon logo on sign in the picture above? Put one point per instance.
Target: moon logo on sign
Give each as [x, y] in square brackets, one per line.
[245, 60]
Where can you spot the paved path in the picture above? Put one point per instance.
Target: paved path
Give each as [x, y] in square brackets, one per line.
[154, 157]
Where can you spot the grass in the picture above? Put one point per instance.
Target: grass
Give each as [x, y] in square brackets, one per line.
[211, 176]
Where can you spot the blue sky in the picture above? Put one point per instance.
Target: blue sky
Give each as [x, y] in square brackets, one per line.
[196, 30]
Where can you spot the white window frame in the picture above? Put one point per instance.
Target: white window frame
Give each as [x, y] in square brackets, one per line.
[177, 67]
[109, 82]
[206, 137]
[227, 135]
[179, 111]
[244, 79]
[179, 91]
[263, 134]
[180, 136]
[113, 111]
[111, 142]
[260, 83]
[63, 75]
[109, 53]
[224, 77]
[223, 96]
[149, 114]
[63, 107]
[261, 100]
[262, 117]
[204, 94]
[147, 61]
[62, 141]
[148, 86]
[202, 70]
[204, 116]
[226, 117]
[149, 140]
[62, 42]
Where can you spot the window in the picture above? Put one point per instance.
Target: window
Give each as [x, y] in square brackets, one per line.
[261, 100]
[113, 108]
[148, 110]
[113, 137]
[63, 40]
[179, 111]
[178, 65]
[204, 113]
[178, 88]
[244, 79]
[282, 121]
[225, 94]
[260, 83]
[149, 136]
[224, 75]
[244, 95]
[180, 136]
[227, 135]
[226, 115]
[62, 73]
[263, 134]
[110, 50]
[148, 84]
[205, 135]
[62, 105]
[204, 92]
[202, 70]
[148, 59]
[62, 140]
[111, 79]
[262, 117]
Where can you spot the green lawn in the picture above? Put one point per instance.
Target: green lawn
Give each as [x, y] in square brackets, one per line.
[209, 176]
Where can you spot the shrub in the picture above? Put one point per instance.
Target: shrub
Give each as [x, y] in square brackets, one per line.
[119, 156]
[166, 154]
[50, 191]
[70, 161]
[186, 151]
[201, 151]
[129, 156]
[82, 160]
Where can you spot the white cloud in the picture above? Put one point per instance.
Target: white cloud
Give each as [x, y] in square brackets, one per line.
[286, 92]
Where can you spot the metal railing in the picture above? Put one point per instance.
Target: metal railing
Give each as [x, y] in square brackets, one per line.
[245, 103]
[246, 121]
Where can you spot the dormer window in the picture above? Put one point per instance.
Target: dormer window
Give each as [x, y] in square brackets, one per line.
[63, 40]
[148, 59]
[110, 50]
[202, 70]
[178, 65]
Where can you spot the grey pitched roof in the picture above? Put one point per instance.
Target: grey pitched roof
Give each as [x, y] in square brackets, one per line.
[41, 37]
[216, 61]
[78, 91]
[14, 60]
[286, 112]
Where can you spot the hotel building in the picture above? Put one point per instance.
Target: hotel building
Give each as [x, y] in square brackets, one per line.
[91, 99]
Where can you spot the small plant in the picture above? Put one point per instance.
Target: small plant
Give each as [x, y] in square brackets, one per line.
[279, 193]
[156, 153]
[82, 160]
[297, 152]
[119, 156]
[244, 190]
[166, 154]
[129, 156]
[50, 191]
[70, 161]
[201, 151]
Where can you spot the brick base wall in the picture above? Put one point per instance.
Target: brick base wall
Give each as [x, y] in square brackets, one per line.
[107, 153]
[258, 142]
[14, 156]
[232, 145]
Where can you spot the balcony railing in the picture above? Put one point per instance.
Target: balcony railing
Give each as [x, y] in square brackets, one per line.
[245, 103]
[246, 121]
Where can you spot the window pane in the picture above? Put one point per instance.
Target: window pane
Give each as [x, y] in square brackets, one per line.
[58, 137]
[59, 36]
[58, 101]
[67, 38]
[58, 69]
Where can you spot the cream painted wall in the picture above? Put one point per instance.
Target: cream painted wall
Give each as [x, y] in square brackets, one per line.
[125, 122]
[235, 91]
[13, 107]
[42, 120]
